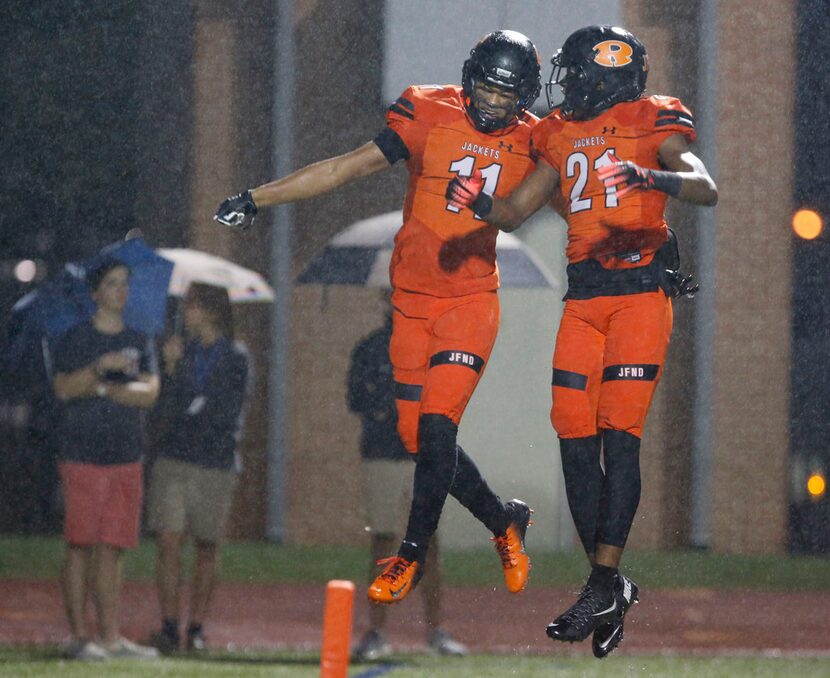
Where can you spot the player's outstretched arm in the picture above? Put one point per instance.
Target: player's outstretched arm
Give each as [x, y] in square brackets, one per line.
[310, 181]
[510, 212]
[686, 177]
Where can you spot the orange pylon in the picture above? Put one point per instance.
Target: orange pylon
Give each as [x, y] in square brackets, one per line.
[337, 629]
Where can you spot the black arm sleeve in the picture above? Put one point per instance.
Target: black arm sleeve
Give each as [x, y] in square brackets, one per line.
[391, 145]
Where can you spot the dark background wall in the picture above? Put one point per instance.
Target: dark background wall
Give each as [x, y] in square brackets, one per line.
[89, 129]
[810, 427]
[70, 107]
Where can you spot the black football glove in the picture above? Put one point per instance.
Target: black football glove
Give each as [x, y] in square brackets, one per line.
[237, 211]
[627, 176]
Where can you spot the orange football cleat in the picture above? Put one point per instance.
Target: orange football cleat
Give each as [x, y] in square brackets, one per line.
[398, 578]
[511, 547]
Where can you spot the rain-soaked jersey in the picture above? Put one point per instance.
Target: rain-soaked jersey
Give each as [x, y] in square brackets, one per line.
[619, 233]
[440, 250]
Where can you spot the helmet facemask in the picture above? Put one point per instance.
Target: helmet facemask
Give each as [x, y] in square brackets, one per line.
[571, 79]
[505, 61]
[589, 86]
[482, 112]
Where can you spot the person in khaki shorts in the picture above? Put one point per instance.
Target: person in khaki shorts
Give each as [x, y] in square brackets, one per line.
[199, 415]
[388, 474]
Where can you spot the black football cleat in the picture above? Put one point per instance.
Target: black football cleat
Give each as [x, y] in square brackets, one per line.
[609, 635]
[590, 611]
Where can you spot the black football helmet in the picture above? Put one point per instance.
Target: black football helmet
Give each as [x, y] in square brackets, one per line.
[597, 67]
[507, 60]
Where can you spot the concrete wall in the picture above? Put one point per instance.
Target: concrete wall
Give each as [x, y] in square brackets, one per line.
[325, 503]
[752, 342]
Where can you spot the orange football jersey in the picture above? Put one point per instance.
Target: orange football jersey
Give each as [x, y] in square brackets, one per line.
[624, 232]
[440, 250]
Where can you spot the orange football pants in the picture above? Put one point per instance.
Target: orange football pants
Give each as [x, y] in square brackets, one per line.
[439, 349]
[608, 359]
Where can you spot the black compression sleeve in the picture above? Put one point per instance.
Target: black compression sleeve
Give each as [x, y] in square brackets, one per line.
[668, 182]
[391, 145]
[482, 205]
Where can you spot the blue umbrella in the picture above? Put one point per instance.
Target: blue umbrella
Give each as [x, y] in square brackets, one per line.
[60, 303]
[360, 255]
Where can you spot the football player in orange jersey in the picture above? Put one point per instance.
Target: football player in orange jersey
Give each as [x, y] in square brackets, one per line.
[444, 279]
[615, 154]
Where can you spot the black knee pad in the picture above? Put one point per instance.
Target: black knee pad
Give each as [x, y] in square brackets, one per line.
[621, 489]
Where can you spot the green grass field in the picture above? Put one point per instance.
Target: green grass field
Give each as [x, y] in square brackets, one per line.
[40, 558]
[46, 662]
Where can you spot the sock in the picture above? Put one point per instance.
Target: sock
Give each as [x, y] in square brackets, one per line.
[602, 578]
[412, 551]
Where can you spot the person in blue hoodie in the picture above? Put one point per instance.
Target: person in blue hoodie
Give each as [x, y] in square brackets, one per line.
[200, 415]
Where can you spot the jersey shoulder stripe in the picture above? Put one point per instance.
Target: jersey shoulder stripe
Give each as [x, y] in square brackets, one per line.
[668, 112]
[405, 103]
[400, 109]
[426, 103]
[671, 117]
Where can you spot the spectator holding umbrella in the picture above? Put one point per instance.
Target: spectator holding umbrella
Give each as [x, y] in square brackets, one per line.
[105, 375]
[200, 414]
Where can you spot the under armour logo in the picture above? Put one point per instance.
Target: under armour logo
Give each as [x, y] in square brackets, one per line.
[609, 130]
[509, 147]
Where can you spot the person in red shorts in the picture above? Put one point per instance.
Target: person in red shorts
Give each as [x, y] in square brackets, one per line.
[105, 375]
[444, 279]
[615, 155]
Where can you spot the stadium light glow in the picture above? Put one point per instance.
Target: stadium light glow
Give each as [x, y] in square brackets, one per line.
[25, 270]
[807, 224]
[816, 485]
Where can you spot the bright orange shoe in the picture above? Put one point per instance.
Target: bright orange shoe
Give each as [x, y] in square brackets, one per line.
[511, 547]
[398, 578]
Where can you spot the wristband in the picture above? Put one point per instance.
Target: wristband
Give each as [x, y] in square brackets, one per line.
[247, 195]
[667, 182]
[101, 390]
[482, 205]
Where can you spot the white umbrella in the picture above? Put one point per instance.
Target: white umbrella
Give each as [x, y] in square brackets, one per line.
[189, 266]
[360, 255]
